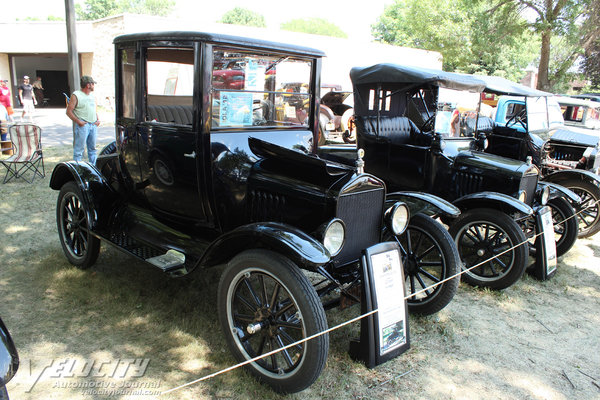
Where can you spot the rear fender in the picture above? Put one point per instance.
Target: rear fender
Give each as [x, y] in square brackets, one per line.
[424, 203]
[97, 194]
[557, 190]
[494, 200]
[573, 174]
[304, 250]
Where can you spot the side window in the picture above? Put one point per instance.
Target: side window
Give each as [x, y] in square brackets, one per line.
[169, 85]
[259, 89]
[128, 67]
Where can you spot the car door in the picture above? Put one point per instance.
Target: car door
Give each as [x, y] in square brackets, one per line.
[167, 132]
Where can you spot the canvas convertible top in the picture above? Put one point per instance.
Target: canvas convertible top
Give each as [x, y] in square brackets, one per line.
[394, 73]
[498, 85]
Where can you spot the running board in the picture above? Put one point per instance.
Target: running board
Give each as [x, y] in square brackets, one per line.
[171, 262]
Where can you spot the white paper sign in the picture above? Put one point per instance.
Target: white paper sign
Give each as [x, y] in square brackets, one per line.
[389, 286]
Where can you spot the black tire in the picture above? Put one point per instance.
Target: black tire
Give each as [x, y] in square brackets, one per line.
[110, 148]
[482, 233]
[564, 232]
[3, 392]
[429, 256]
[322, 132]
[589, 208]
[262, 287]
[80, 247]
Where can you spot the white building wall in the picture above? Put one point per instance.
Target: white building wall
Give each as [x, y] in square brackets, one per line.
[94, 43]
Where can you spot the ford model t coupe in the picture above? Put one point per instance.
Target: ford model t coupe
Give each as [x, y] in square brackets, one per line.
[205, 172]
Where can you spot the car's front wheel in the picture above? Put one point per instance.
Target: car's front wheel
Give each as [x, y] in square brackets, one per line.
[266, 303]
[79, 245]
[565, 224]
[483, 237]
[429, 256]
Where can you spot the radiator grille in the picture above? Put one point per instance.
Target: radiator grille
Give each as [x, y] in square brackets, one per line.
[529, 183]
[362, 213]
[468, 183]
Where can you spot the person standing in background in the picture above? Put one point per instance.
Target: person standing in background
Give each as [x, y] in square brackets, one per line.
[38, 90]
[27, 99]
[5, 99]
[82, 111]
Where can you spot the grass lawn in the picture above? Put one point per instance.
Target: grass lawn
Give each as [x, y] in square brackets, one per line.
[534, 340]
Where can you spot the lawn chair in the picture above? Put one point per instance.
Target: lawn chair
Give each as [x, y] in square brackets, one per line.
[27, 145]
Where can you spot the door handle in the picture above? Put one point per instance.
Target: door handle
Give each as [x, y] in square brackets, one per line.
[190, 155]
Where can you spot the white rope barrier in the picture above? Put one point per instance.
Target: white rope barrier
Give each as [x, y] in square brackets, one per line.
[306, 339]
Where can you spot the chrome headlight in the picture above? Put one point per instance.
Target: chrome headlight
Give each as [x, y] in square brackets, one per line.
[545, 195]
[522, 196]
[334, 236]
[397, 217]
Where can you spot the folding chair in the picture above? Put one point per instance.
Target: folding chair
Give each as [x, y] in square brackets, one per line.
[27, 145]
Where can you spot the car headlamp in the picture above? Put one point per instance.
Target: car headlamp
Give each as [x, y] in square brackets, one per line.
[545, 195]
[397, 217]
[334, 236]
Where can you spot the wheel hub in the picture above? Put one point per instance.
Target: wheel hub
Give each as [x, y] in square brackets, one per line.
[411, 264]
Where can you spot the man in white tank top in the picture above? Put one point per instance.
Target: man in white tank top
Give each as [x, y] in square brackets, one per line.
[82, 111]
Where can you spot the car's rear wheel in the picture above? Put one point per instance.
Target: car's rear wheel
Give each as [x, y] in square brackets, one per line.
[428, 256]
[79, 245]
[589, 208]
[265, 303]
[482, 236]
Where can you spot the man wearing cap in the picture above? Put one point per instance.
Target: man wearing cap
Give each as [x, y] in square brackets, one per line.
[27, 98]
[82, 111]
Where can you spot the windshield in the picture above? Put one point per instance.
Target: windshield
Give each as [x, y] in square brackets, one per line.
[555, 114]
[537, 115]
[455, 108]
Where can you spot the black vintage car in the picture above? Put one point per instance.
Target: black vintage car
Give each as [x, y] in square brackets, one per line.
[203, 174]
[9, 360]
[397, 116]
[528, 123]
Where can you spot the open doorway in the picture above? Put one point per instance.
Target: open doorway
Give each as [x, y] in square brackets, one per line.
[55, 84]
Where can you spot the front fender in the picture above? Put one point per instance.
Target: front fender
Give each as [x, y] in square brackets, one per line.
[557, 190]
[425, 203]
[572, 174]
[96, 192]
[493, 200]
[306, 251]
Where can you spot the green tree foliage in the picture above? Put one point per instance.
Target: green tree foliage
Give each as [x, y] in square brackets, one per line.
[316, 26]
[552, 19]
[96, 9]
[591, 64]
[470, 38]
[243, 16]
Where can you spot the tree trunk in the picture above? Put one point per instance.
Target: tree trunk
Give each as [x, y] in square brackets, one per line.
[543, 83]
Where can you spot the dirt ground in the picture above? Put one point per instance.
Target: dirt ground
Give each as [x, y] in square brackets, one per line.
[535, 340]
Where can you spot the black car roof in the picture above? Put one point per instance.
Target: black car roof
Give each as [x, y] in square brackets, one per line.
[218, 38]
[498, 85]
[395, 73]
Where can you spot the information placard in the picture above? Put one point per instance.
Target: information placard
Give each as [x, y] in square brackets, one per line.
[545, 246]
[384, 334]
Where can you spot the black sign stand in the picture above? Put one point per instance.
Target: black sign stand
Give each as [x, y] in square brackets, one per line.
[544, 267]
[369, 349]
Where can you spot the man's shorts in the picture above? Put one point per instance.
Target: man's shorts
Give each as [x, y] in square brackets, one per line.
[28, 106]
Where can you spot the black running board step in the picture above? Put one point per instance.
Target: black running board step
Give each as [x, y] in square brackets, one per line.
[172, 262]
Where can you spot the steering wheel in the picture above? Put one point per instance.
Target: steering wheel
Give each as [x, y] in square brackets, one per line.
[428, 125]
[517, 118]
